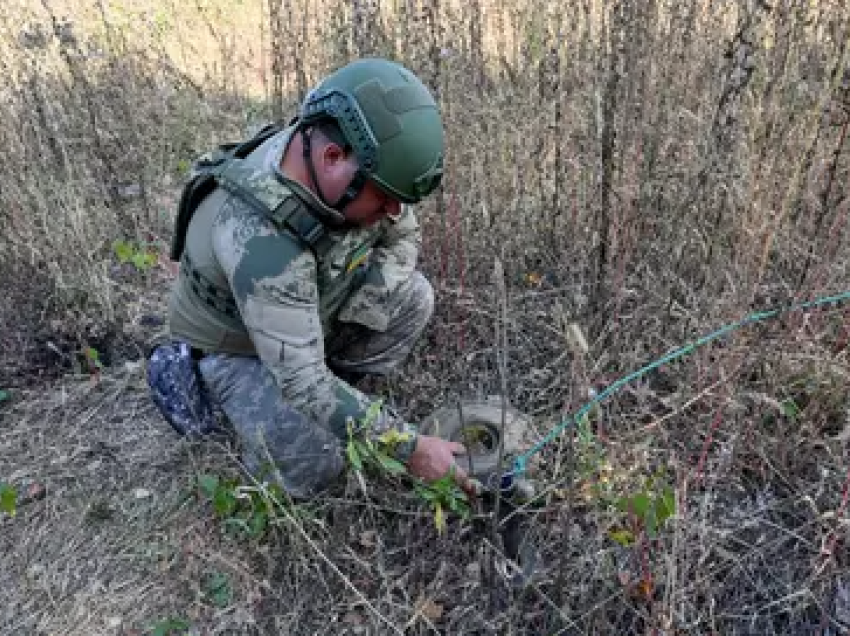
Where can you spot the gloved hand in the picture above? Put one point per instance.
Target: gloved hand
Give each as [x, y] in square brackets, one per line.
[433, 457]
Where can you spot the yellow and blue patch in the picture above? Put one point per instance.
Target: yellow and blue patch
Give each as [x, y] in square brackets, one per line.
[358, 258]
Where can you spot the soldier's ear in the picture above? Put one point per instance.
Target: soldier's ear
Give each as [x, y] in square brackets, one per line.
[336, 159]
[332, 152]
[331, 156]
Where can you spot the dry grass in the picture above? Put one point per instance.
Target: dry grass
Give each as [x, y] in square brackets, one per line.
[122, 539]
[646, 171]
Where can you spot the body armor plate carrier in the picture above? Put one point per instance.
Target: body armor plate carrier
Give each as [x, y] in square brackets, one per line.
[224, 168]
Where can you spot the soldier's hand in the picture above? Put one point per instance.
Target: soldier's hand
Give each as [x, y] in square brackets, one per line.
[433, 457]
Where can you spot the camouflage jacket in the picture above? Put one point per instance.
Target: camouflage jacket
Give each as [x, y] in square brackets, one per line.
[288, 298]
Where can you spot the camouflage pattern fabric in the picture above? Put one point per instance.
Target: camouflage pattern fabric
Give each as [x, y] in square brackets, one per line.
[357, 264]
[177, 390]
[279, 442]
[357, 349]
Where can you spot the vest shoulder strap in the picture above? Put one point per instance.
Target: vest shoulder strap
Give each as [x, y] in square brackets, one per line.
[269, 195]
[203, 181]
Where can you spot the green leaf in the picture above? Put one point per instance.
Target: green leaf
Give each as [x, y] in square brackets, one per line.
[354, 456]
[236, 527]
[123, 250]
[623, 537]
[138, 260]
[665, 505]
[639, 505]
[426, 493]
[143, 260]
[651, 522]
[439, 518]
[217, 589]
[372, 413]
[458, 503]
[389, 464]
[224, 502]
[93, 356]
[257, 523]
[444, 484]
[364, 447]
[170, 627]
[790, 409]
[8, 499]
[208, 485]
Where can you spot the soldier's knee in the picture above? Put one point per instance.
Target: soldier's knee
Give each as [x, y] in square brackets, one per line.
[299, 477]
[324, 473]
[314, 478]
[298, 455]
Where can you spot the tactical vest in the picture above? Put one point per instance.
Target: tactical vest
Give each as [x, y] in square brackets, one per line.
[225, 168]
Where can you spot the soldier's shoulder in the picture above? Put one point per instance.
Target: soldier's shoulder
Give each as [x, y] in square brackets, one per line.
[254, 242]
[234, 212]
[271, 260]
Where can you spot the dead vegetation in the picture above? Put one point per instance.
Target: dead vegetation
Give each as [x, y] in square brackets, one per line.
[646, 173]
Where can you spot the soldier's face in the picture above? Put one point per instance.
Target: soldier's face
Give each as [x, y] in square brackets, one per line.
[371, 205]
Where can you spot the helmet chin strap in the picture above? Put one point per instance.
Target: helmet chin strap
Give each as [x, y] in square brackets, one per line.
[355, 186]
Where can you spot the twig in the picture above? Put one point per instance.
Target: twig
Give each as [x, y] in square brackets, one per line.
[502, 371]
[516, 570]
[291, 518]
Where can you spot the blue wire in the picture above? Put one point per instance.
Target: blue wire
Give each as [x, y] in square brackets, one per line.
[521, 462]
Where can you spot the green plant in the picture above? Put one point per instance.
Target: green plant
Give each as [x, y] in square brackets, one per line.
[647, 510]
[93, 361]
[217, 589]
[170, 627]
[790, 408]
[137, 255]
[364, 452]
[444, 495]
[592, 463]
[375, 454]
[8, 499]
[245, 510]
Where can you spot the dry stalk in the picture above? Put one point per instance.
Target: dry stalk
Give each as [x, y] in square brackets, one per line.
[296, 523]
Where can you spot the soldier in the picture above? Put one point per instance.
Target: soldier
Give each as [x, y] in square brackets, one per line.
[297, 273]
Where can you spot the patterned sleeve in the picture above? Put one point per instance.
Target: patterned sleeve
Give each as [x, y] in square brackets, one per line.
[392, 262]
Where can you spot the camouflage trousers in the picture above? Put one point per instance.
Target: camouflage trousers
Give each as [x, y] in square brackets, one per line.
[279, 444]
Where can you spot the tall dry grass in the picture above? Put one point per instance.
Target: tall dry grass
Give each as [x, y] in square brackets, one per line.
[104, 104]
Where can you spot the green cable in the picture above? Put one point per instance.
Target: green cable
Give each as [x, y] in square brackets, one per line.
[522, 461]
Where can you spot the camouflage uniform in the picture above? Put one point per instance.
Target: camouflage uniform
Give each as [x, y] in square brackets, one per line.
[271, 315]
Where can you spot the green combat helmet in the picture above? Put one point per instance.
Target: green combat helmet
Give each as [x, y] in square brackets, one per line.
[390, 120]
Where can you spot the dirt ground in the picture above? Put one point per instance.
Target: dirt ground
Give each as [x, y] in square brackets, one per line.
[114, 535]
